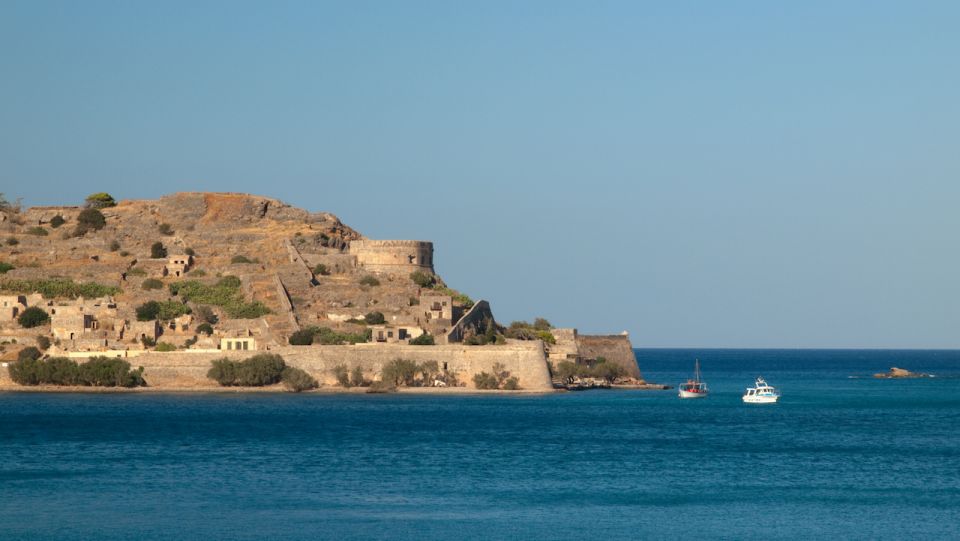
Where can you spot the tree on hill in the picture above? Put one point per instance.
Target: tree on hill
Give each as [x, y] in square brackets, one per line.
[375, 318]
[157, 250]
[89, 220]
[100, 200]
[7, 206]
[148, 311]
[33, 317]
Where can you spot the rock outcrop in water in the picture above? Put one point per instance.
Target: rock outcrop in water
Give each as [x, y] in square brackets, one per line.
[896, 373]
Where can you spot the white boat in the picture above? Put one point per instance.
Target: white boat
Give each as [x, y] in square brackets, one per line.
[761, 393]
[694, 388]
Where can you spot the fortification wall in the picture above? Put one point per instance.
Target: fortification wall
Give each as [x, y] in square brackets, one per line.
[335, 263]
[475, 321]
[615, 348]
[395, 256]
[185, 370]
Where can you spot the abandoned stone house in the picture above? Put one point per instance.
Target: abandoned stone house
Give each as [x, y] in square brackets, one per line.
[138, 330]
[177, 265]
[235, 336]
[393, 334]
[11, 306]
[179, 326]
[437, 309]
[87, 320]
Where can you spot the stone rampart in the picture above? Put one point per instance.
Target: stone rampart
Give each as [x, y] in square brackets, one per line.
[393, 256]
[615, 348]
[188, 370]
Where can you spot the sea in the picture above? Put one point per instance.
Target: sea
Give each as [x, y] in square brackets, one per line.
[842, 456]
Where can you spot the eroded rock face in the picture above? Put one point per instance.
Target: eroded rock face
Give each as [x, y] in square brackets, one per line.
[900, 373]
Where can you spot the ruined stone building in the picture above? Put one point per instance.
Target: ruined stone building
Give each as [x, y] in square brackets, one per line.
[177, 265]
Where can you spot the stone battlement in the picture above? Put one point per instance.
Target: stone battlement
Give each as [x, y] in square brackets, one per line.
[393, 256]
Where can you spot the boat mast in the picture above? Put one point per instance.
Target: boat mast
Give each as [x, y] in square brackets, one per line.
[697, 370]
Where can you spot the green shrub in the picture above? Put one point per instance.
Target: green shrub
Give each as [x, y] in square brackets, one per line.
[43, 342]
[511, 384]
[136, 271]
[198, 273]
[164, 347]
[423, 279]
[100, 200]
[33, 317]
[206, 314]
[400, 372]
[57, 221]
[106, 372]
[485, 381]
[425, 339]
[375, 318]
[225, 294]
[59, 287]
[369, 280]
[148, 311]
[151, 283]
[5, 267]
[342, 375]
[356, 377]
[124, 253]
[38, 231]
[205, 328]
[541, 324]
[12, 241]
[229, 281]
[114, 246]
[538, 330]
[147, 341]
[172, 310]
[321, 270]
[96, 372]
[303, 337]
[257, 371]
[157, 250]
[165, 229]
[190, 252]
[241, 259]
[296, 380]
[327, 336]
[30, 353]
[89, 219]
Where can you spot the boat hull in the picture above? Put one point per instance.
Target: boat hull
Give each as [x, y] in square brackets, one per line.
[761, 399]
[688, 394]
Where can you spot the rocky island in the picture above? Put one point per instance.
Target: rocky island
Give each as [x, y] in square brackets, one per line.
[895, 373]
[224, 290]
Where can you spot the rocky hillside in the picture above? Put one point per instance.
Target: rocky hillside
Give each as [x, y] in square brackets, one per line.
[268, 244]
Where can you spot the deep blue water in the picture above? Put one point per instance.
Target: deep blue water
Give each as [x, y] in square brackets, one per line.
[839, 457]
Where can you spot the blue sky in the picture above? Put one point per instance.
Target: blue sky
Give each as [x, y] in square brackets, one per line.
[730, 174]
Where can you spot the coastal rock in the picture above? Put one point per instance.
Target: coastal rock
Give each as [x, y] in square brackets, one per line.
[900, 373]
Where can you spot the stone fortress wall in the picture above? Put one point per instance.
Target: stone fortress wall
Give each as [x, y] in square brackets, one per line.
[393, 256]
[187, 370]
[615, 348]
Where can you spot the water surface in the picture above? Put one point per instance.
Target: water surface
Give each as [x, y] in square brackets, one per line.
[839, 456]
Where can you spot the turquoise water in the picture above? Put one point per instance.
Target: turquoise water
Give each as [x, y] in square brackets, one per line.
[838, 457]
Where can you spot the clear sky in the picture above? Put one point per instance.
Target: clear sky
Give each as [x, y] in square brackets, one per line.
[731, 174]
